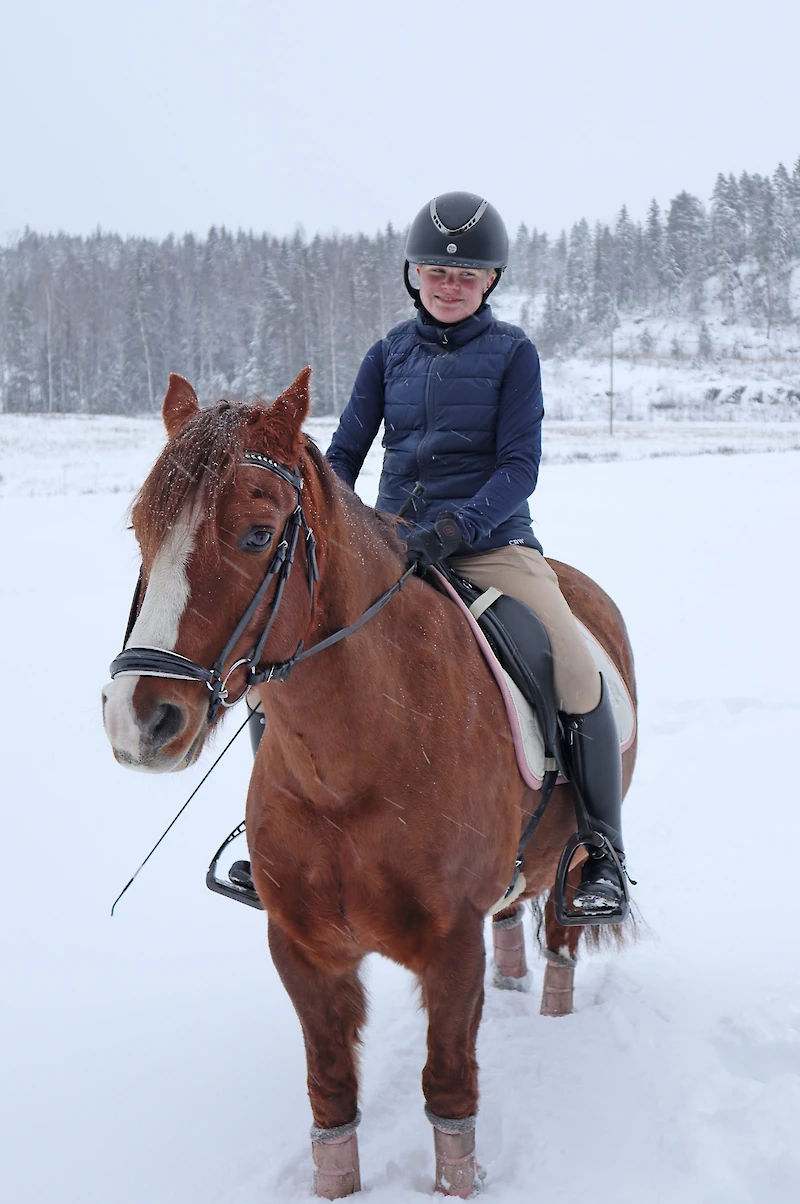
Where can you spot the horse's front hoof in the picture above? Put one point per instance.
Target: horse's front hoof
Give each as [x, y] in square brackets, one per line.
[336, 1169]
[457, 1172]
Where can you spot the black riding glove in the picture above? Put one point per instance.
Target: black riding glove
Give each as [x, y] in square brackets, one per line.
[432, 544]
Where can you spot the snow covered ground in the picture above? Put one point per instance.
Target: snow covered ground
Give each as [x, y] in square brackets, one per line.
[154, 1057]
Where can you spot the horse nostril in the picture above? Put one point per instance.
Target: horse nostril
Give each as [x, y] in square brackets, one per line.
[164, 723]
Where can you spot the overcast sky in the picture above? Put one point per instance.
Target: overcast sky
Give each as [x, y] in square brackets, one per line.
[172, 115]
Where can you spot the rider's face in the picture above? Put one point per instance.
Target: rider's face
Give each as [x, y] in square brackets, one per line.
[452, 294]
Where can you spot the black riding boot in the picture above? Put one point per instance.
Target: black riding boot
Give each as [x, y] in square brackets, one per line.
[596, 769]
[256, 727]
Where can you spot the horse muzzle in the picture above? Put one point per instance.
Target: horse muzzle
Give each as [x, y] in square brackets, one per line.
[150, 732]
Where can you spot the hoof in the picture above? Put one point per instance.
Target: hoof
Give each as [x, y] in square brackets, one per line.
[557, 990]
[456, 1169]
[510, 965]
[336, 1169]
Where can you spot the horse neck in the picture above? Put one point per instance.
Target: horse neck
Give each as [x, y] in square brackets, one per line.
[358, 562]
[324, 719]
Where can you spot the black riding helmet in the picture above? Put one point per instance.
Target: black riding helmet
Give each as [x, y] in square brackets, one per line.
[457, 229]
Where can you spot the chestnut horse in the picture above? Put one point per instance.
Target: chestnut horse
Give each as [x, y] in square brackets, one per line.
[385, 804]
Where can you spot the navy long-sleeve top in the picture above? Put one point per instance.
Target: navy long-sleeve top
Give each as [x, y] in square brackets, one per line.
[462, 412]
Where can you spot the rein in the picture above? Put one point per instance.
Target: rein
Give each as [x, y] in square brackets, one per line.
[146, 661]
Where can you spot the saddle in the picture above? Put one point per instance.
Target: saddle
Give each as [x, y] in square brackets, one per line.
[509, 626]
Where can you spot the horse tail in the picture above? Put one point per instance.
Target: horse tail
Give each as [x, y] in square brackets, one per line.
[596, 937]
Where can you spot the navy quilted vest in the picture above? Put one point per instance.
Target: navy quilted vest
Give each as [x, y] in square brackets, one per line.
[442, 392]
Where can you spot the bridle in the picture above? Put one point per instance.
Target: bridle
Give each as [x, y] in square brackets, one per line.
[146, 661]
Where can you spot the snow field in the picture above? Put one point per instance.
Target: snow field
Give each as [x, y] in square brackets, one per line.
[156, 1057]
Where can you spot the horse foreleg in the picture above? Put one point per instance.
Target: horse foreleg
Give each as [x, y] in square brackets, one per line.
[561, 946]
[331, 1008]
[508, 938]
[452, 987]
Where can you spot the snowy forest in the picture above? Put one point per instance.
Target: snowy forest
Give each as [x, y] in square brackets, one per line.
[96, 324]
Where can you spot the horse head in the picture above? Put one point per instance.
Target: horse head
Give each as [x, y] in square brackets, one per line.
[216, 520]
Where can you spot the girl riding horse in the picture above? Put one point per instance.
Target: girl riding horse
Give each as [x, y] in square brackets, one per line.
[460, 397]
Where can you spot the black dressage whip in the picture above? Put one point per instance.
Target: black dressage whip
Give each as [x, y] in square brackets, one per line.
[254, 711]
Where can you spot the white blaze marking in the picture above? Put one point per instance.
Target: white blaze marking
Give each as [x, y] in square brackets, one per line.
[168, 588]
[157, 627]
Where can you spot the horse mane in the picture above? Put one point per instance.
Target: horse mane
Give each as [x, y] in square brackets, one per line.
[381, 524]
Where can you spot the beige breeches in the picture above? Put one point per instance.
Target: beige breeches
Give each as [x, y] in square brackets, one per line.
[524, 573]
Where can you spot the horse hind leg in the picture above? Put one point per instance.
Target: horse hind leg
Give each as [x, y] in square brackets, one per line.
[508, 939]
[560, 951]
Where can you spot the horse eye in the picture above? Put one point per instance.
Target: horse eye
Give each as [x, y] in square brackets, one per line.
[256, 539]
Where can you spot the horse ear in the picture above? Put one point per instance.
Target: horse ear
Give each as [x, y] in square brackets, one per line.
[180, 404]
[294, 403]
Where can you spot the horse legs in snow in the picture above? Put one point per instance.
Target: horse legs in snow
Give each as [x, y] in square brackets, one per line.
[560, 950]
[452, 988]
[331, 1008]
[508, 937]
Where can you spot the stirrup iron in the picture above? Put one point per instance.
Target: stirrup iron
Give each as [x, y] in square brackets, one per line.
[240, 879]
[572, 917]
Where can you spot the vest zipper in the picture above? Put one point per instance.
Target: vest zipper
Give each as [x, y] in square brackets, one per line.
[429, 429]
[428, 421]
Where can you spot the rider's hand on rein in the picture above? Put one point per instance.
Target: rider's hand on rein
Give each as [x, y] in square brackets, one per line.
[432, 544]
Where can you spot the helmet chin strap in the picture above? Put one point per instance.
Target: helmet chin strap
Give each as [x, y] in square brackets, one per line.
[412, 292]
[498, 272]
[415, 296]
